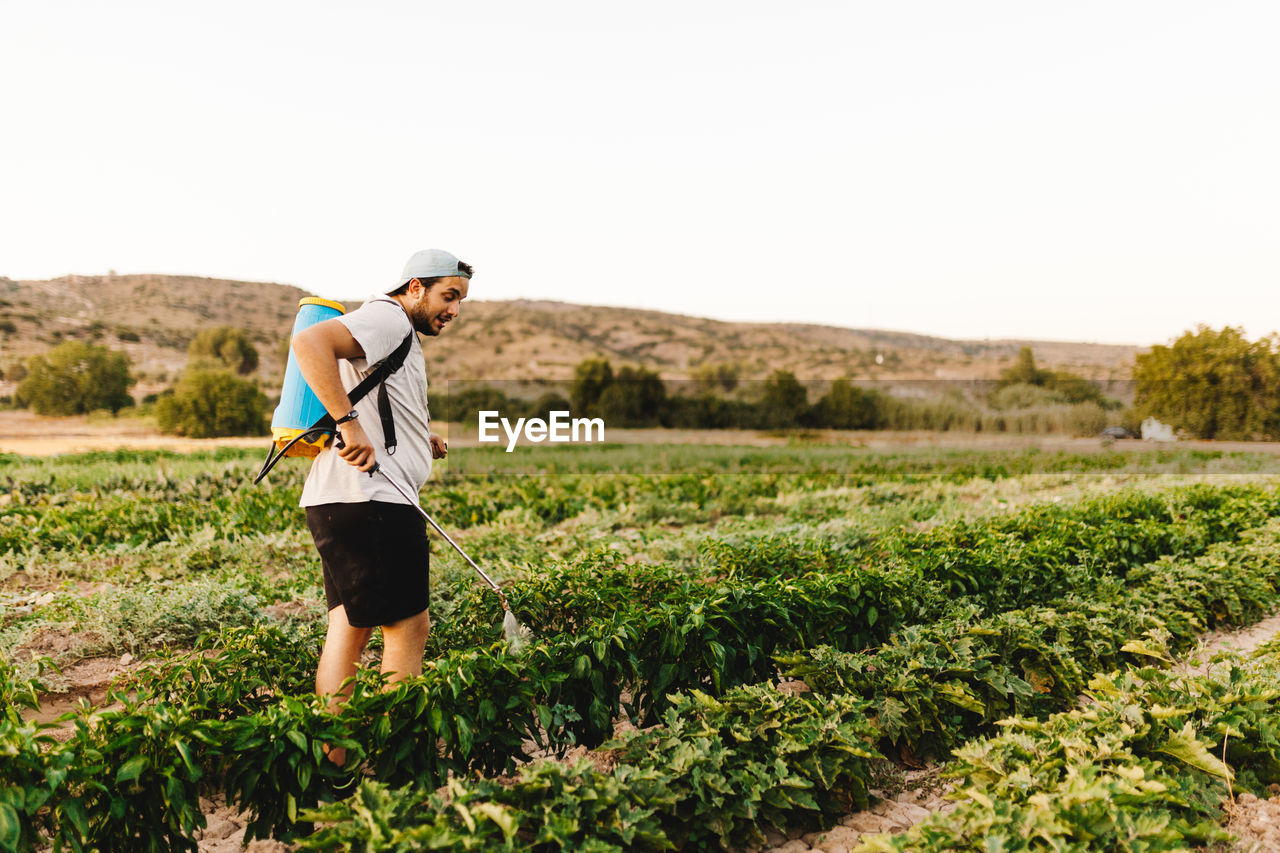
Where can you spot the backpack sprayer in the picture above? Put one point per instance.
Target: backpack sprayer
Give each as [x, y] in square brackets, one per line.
[301, 426]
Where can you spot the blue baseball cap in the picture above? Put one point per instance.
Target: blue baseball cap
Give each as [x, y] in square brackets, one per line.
[429, 263]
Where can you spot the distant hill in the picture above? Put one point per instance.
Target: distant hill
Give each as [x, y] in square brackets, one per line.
[154, 317]
[151, 317]
[525, 339]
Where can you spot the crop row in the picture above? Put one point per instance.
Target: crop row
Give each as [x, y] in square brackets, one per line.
[137, 773]
[710, 775]
[494, 813]
[53, 508]
[783, 592]
[955, 678]
[1145, 766]
[163, 509]
[141, 511]
[133, 521]
[165, 474]
[131, 779]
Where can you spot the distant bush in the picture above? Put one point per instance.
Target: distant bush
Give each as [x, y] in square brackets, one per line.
[713, 377]
[635, 398]
[225, 346]
[846, 406]
[1212, 384]
[631, 397]
[463, 405]
[590, 379]
[212, 403]
[708, 411]
[1063, 387]
[784, 402]
[74, 378]
[953, 412]
[1024, 396]
[545, 404]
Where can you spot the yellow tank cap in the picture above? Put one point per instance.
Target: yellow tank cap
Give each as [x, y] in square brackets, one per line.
[327, 303]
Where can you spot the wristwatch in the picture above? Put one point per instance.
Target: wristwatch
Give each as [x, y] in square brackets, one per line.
[349, 416]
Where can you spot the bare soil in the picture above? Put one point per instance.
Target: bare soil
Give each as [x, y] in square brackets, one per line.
[30, 434]
[89, 680]
[1255, 822]
[224, 832]
[1233, 640]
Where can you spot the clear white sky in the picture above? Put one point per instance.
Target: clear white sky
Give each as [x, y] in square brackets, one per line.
[1105, 171]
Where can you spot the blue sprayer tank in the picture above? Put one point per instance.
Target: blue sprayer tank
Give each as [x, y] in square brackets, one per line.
[299, 407]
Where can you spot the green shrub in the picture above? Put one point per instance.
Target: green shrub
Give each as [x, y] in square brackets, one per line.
[224, 346]
[635, 398]
[1212, 384]
[846, 406]
[210, 403]
[590, 379]
[74, 378]
[783, 402]
[1023, 396]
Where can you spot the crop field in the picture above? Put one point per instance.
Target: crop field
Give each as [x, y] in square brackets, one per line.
[734, 649]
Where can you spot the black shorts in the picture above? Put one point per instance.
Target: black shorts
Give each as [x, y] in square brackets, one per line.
[375, 557]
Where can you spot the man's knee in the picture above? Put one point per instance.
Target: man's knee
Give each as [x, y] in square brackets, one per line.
[341, 634]
[411, 628]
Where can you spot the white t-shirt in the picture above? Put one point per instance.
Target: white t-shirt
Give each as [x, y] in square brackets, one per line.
[379, 326]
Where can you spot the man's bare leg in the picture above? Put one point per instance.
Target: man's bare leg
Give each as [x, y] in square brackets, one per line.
[343, 645]
[402, 645]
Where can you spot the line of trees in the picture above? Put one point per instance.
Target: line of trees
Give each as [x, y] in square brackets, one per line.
[1207, 383]
[637, 397]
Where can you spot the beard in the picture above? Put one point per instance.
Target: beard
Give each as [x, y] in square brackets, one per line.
[423, 324]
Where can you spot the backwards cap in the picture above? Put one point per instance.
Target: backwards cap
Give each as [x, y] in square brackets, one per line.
[429, 263]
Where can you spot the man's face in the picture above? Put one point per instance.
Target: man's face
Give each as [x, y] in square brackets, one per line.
[430, 310]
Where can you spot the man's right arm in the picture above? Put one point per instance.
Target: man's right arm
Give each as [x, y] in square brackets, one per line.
[317, 349]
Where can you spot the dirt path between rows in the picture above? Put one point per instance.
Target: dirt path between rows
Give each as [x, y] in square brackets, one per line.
[1255, 822]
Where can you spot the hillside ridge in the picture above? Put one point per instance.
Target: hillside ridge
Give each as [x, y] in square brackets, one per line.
[153, 317]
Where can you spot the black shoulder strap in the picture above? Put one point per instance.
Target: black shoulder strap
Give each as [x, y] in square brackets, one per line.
[376, 376]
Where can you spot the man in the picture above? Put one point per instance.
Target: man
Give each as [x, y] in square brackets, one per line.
[372, 544]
